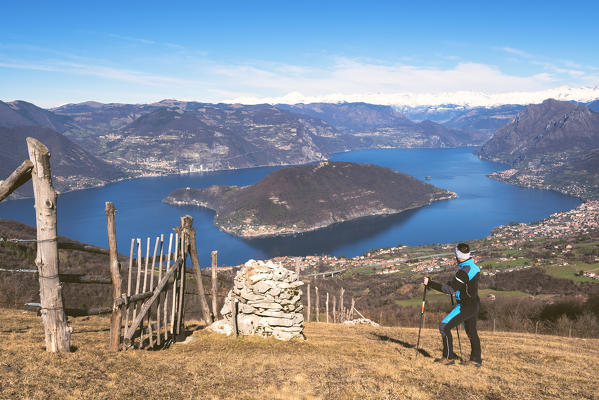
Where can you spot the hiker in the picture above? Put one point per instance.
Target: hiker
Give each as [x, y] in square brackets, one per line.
[464, 286]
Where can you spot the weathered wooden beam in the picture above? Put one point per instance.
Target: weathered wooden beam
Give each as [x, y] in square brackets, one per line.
[159, 303]
[137, 281]
[127, 308]
[309, 305]
[327, 308]
[57, 332]
[317, 304]
[85, 312]
[334, 309]
[150, 331]
[165, 302]
[116, 318]
[132, 299]
[180, 327]
[175, 288]
[84, 278]
[76, 312]
[18, 177]
[341, 314]
[235, 311]
[193, 253]
[214, 255]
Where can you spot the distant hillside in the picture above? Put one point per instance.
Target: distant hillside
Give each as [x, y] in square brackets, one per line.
[22, 113]
[92, 120]
[309, 197]
[485, 119]
[352, 117]
[72, 166]
[170, 140]
[551, 145]
[552, 126]
[593, 105]
[383, 126]
[16, 289]
[440, 114]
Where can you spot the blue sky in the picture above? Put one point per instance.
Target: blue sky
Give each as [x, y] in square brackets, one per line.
[56, 53]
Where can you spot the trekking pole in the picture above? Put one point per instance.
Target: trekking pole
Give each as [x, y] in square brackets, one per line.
[457, 327]
[421, 319]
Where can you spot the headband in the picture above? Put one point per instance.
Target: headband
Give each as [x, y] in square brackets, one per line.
[460, 255]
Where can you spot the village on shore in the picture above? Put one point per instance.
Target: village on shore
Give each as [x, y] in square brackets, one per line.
[408, 260]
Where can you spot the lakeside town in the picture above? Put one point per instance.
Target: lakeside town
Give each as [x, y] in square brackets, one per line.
[409, 260]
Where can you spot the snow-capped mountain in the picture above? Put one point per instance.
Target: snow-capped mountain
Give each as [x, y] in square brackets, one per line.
[461, 98]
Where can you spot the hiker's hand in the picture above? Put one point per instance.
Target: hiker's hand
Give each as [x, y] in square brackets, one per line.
[425, 280]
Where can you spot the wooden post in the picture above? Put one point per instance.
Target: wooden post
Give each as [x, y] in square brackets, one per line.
[151, 333]
[158, 304]
[18, 177]
[334, 309]
[327, 308]
[166, 267]
[317, 305]
[138, 274]
[129, 282]
[234, 306]
[536, 327]
[175, 281]
[341, 314]
[351, 310]
[570, 331]
[57, 332]
[494, 325]
[116, 319]
[186, 223]
[214, 256]
[193, 253]
[309, 305]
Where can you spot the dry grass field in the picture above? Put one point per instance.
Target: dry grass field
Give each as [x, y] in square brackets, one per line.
[336, 362]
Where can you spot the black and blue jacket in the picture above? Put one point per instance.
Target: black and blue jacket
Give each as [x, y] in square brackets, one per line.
[464, 284]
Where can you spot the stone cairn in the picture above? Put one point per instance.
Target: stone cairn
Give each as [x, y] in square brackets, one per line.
[269, 302]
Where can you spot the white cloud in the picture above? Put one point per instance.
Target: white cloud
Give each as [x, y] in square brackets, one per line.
[189, 76]
[516, 52]
[109, 73]
[350, 76]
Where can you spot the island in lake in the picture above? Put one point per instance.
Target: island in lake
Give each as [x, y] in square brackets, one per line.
[309, 197]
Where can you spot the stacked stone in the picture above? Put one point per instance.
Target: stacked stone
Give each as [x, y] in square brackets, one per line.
[269, 301]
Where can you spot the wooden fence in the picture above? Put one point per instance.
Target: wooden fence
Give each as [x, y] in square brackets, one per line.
[338, 313]
[150, 313]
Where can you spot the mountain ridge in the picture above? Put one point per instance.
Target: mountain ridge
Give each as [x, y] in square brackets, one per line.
[552, 145]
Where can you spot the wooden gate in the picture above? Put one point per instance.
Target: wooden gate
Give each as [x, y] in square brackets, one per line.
[153, 305]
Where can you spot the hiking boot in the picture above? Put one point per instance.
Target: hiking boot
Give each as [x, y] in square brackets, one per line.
[445, 361]
[473, 363]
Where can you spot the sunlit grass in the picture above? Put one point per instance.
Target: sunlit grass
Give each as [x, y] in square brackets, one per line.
[336, 362]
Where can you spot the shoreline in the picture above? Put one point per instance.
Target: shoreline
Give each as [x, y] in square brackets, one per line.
[285, 232]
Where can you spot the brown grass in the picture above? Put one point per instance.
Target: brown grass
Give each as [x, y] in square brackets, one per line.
[336, 362]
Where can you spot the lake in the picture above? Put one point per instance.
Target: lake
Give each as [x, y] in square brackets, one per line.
[482, 205]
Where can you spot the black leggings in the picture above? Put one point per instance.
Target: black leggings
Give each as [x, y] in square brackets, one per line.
[467, 314]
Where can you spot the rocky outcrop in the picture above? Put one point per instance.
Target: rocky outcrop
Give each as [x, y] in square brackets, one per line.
[551, 127]
[268, 300]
